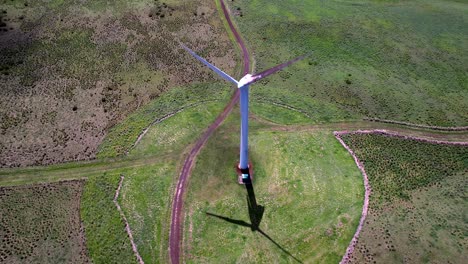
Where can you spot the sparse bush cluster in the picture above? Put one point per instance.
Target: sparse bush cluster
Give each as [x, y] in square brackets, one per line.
[238, 12]
[161, 10]
[41, 223]
[4, 25]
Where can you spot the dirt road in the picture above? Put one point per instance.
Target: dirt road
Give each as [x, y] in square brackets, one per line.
[178, 200]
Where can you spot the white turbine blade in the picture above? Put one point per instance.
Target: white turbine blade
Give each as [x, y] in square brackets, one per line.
[211, 66]
[275, 69]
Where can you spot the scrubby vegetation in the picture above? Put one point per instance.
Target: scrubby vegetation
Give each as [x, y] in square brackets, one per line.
[71, 70]
[417, 204]
[41, 224]
[400, 60]
[308, 187]
[398, 166]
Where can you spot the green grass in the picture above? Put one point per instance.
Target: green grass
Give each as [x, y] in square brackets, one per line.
[310, 188]
[402, 60]
[72, 170]
[106, 239]
[417, 209]
[146, 200]
[178, 132]
[279, 114]
[41, 224]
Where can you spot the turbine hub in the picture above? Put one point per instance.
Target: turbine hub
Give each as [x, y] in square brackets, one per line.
[245, 80]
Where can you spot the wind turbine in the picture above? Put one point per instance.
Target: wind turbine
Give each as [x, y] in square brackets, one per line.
[243, 86]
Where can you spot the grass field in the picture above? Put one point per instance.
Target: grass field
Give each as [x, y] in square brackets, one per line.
[41, 224]
[146, 200]
[309, 188]
[280, 114]
[417, 209]
[93, 75]
[106, 239]
[401, 60]
[71, 70]
[175, 134]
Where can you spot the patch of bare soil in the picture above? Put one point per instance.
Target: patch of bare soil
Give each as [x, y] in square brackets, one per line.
[68, 73]
[41, 224]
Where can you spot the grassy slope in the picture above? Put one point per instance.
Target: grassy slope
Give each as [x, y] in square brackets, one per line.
[175, 134]
[309, 186]
[146, 199]
[402, 60]
[106, 239]
[279, 114]
[418, 205]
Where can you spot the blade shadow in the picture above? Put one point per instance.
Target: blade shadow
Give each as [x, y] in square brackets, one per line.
[255, 214]
[230, 220]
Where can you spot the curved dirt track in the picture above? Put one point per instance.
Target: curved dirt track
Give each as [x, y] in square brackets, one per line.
[178, 200]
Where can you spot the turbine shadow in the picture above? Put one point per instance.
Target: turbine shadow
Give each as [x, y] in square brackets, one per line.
[255, 215]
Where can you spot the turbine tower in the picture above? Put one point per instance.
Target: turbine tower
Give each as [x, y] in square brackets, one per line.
[243, 86]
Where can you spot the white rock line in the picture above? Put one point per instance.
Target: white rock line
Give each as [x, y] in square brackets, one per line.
[398, 135]
[367, 187]
[461, 128]
[365, 207]
[127, 226]
[159, 120]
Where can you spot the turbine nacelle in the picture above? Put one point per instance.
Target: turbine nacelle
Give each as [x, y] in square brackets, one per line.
[244, 102]
[247, 79]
